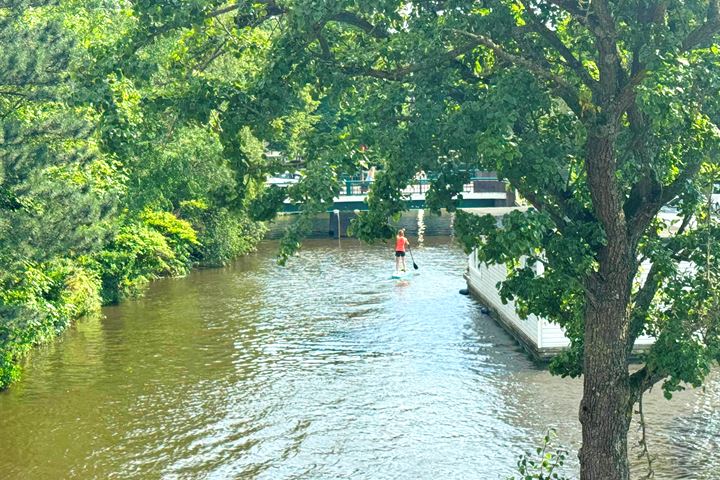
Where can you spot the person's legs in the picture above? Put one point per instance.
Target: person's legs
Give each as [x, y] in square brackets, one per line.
[403, 263]
[397, 262]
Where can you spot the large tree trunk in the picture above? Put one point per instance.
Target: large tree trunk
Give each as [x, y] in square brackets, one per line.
[606, 407]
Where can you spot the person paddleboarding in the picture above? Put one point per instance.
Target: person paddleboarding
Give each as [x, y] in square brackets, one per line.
[400, 243]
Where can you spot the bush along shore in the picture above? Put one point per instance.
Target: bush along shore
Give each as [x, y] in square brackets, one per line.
[40, 299]
[119, 161]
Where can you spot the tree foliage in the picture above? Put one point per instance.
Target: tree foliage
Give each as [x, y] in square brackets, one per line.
[599, 114]
[119, 163]
[56, 191]
[133, 137]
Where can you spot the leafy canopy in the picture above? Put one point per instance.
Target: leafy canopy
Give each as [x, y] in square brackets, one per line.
[532, 90]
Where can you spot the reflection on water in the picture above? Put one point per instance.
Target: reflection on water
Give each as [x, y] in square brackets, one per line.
[324, 370]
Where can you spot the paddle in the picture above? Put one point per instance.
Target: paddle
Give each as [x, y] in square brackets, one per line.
[415, 265]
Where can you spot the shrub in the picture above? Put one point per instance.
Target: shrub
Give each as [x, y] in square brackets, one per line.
[223, 234]
[545, 463]
[82, 292]
[180, 235]
[157, 245]
[36, 303]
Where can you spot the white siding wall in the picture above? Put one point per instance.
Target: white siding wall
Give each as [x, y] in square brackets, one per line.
[553, 336]
[485, 279]
[546, 335]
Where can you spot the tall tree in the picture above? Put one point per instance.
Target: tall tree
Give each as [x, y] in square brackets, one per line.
[56, 193]
[599, 113]
[43, 141]
[160, 78]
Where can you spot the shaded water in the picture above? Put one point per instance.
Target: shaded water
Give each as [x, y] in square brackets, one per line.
[324, 370]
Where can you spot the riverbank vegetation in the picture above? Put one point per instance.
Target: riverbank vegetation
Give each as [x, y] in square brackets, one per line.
[114, 171]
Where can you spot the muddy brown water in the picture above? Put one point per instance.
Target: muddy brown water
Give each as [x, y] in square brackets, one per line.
[327, 369]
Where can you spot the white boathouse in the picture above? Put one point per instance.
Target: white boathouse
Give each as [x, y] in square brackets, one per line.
[539, 337]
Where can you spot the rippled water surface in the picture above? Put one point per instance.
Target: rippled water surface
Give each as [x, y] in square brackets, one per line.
[324, 370]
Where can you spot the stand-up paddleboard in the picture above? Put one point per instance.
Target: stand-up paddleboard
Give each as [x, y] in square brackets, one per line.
[402, 275]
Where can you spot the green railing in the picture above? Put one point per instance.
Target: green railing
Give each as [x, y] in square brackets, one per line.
[361, 187]
[357, 187]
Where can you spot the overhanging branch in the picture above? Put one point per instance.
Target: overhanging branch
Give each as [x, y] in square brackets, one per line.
[643, 379]
[350, 18]
[648, 196]
[677, 186]
[554, 41]
[401, 73]
[564, 89]
[557, 208]
[705, 32]
[515, 59]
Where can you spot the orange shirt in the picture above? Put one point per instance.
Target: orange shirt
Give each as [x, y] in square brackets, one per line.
[400, 244]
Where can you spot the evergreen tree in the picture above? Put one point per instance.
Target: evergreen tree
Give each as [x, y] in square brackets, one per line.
[49, 198]
[54, 192]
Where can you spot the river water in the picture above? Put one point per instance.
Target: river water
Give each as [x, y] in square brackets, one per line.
[326, 369]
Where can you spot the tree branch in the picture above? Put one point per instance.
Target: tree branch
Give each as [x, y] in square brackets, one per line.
[541, 206]
[400, 74]
[223, 11]
[647, 196]
[350, 18]
[627, 96]
[324, 46]
[674, 189]
[643, 204]
[215, 54]
[271, 10]
[643, 299]
[564, 89]
[574, 9]
[611, 71]
[553, 40]
[11, 93]
[645, 13]
[8, 111]
[643, 379]
[704, 32]
[643, 441]
[560, 211]
[641, 303]
[229, 33]
[515, 59]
